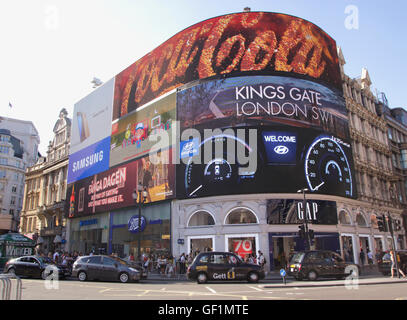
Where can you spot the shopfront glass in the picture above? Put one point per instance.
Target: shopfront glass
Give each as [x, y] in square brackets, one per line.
[200, 245]
[90, 234]
[243, 246]
[154, 236]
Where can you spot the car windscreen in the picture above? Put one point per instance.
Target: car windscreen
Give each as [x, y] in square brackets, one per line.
[297, 257]
[121, 261]
[45, 260]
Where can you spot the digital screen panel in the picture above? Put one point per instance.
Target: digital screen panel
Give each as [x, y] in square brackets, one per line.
[230, 45]
[113, 189]
[302, 138]
[130, 135]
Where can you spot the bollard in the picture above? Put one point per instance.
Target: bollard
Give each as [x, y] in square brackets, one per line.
[7, 286]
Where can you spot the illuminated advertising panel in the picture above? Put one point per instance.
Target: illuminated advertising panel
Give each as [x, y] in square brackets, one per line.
[113, 189]
[288, 211]
[92, 118]
[130, 135]
[230, 45]
[301, 129]
[89, 161]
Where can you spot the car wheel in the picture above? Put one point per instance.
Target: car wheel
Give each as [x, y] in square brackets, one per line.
[312, 275]
[202, 278]
[11, 271]
[124, 277]
[44, 275]
[253, 277]
[82, 276]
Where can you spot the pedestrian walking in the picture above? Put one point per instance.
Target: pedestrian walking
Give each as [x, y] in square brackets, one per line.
[55, 257]
[362, 257]
[393, 258]
[369, 257]
[182, 262]
[261, 260]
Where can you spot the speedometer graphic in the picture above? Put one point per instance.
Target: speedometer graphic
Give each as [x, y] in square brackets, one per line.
[220, 173]
[327, 168]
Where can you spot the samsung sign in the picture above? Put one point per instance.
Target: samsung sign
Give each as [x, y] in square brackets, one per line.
[89, 161]
[281, 147]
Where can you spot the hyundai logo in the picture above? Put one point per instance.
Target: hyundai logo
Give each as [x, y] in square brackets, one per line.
[281, 150]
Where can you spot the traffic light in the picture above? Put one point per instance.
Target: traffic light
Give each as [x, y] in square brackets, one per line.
[301, 231]
[311, 234]
[381, 222]
[390, 221]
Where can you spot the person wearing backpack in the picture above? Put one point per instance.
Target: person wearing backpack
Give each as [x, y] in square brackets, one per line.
[261, 260]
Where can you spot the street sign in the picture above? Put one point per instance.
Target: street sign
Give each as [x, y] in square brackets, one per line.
[283, 273]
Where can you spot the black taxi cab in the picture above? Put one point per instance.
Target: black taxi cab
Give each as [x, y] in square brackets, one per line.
[212, 266]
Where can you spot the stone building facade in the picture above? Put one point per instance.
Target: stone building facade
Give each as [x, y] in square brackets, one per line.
[45, 191]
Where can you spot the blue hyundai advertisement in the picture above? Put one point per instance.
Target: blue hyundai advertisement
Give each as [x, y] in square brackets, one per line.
[281, 147]
[89, 161]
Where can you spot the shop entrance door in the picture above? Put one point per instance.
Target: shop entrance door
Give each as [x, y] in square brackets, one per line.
[364, 249]
[347, 246]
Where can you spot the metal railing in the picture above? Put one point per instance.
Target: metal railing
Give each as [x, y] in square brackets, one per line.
[7, 284]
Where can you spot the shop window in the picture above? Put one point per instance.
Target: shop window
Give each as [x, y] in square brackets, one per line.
[360, 220]
[344, 218]
[201, 218]
[241, 216]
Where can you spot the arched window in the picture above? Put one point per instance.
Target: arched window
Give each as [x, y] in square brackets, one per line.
[344, 218]
[241, 216]
[201, 218]
[361, 221]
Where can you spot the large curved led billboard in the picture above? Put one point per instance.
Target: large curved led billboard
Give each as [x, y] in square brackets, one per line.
[301, 137]
[235, 44]
[266, 85]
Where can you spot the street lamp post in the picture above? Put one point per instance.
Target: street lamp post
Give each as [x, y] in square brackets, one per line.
[139, 198]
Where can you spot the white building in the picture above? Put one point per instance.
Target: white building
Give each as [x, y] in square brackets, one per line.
[19, 142]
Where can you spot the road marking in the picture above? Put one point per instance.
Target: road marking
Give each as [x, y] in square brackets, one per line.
[257, 289]
[210, 289]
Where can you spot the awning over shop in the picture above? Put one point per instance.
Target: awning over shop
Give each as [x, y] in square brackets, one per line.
[16, 239]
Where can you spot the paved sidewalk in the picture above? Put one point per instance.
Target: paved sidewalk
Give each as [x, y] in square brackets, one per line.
[274, 280]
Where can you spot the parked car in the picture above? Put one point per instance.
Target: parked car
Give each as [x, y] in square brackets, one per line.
[139, 266]
[35, 266]
[384, 262]
[107, 268]
[313, 265]
[208, 266]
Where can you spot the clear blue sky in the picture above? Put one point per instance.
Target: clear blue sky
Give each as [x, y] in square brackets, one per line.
[51, 50]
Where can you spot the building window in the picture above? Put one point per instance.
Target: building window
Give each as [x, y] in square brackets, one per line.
[344, 218]
[241, 216]
[5, 138]
[390, 134]
[361, 221]
[2, 173]
[201, 218]
[4, 149]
